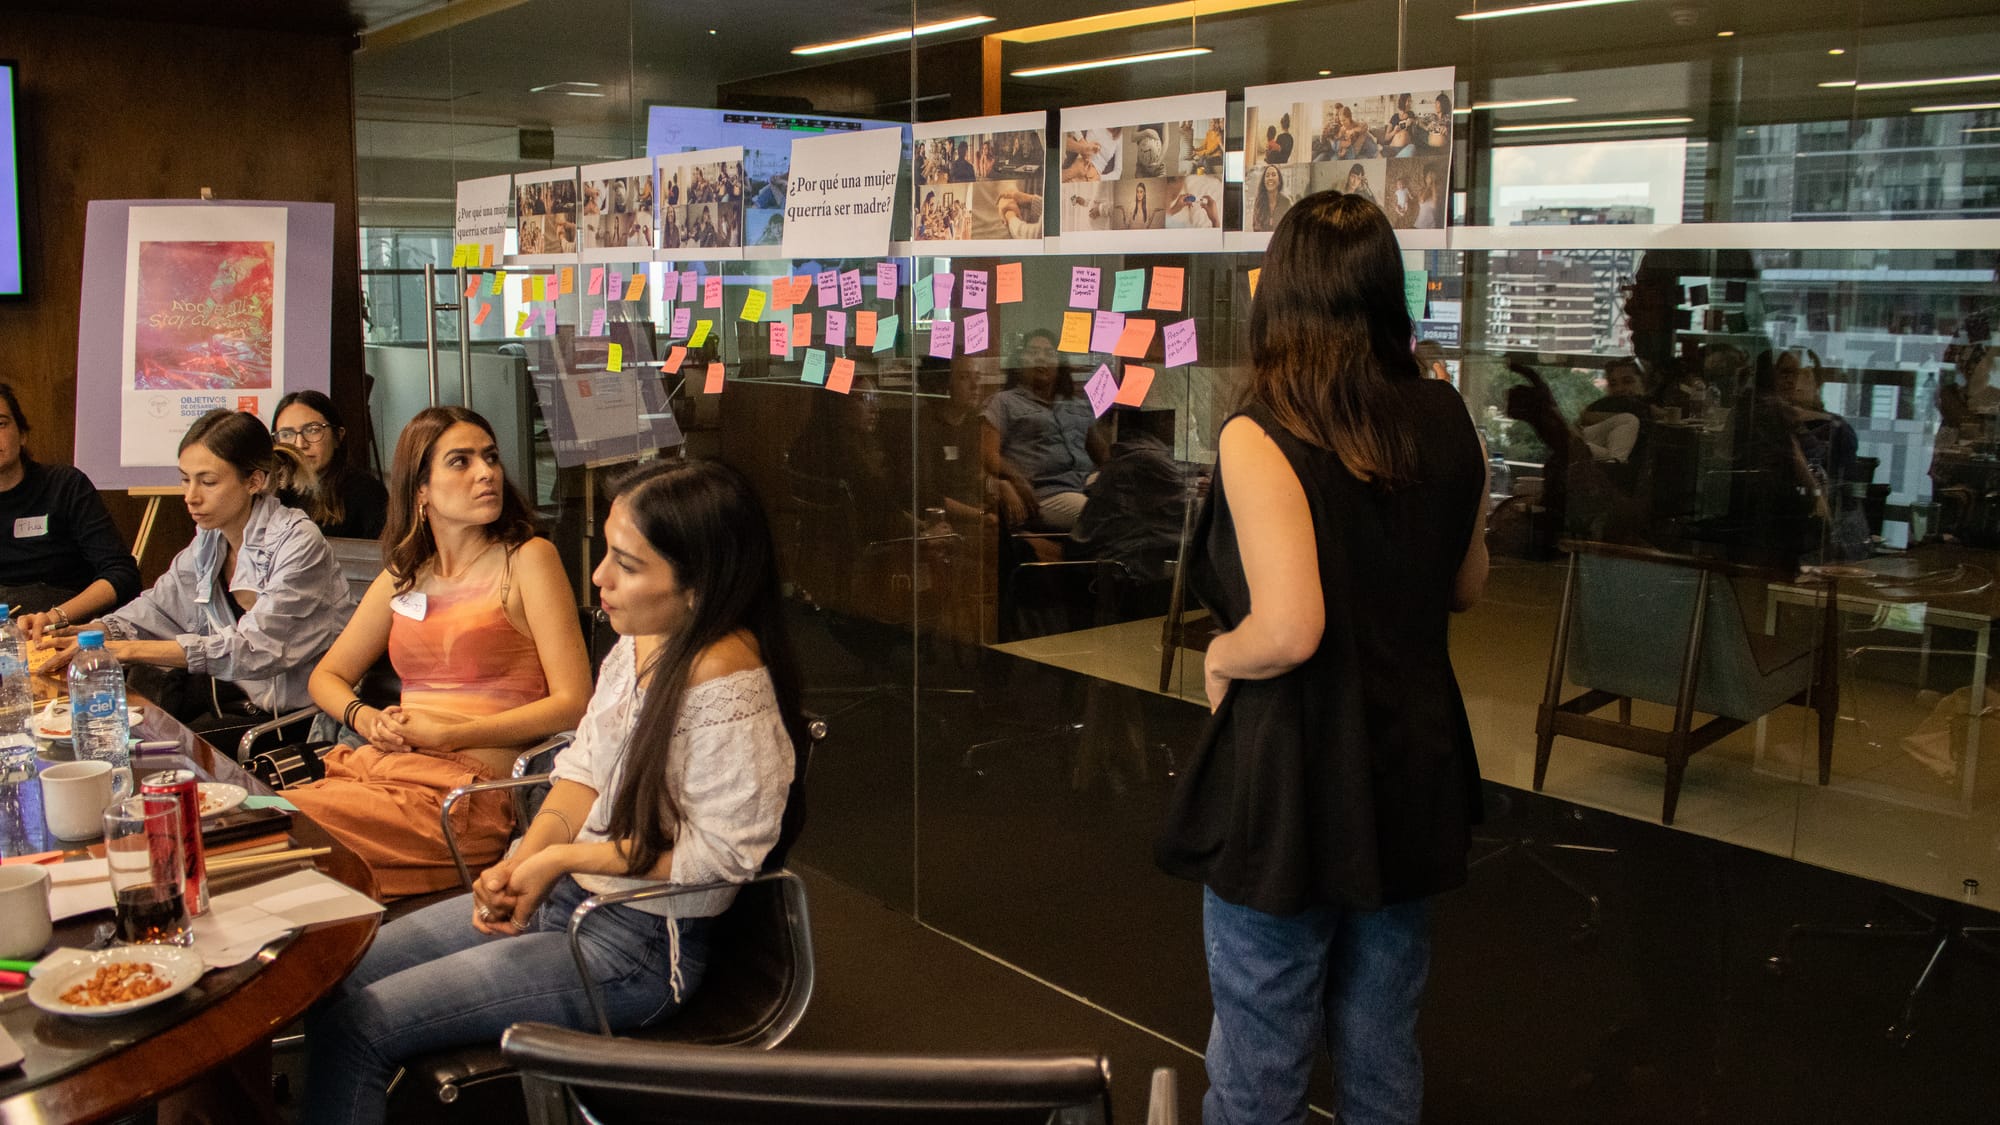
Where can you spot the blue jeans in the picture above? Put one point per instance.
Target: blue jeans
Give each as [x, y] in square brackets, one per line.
[431, 981]
[1280, 982]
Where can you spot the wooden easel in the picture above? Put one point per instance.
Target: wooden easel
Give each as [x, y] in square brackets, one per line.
[153, 493]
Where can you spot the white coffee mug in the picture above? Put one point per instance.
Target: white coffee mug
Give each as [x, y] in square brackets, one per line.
[24, 910]
[75, 795]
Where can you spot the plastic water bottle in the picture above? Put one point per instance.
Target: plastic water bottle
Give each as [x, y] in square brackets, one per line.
[17, 702]
[97, 702]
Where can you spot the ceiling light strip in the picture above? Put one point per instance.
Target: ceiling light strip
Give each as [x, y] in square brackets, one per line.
[1131, 18]
[899, 35]
[1962, 107]
[1913, 83]
[1122, 60]
[1517, 103]
[1619, 123]
[1537, 9]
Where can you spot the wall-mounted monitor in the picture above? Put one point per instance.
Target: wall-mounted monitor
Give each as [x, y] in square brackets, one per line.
[12, 277]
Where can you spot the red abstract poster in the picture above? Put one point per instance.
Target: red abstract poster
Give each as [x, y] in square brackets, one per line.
[204, 316]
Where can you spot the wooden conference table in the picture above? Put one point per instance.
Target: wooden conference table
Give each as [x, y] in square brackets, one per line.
[237, 1025]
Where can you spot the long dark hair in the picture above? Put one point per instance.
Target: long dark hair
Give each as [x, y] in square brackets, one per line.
[704, 520]
[322, 500]
[1330, 335]
[407, 543]
[237, 438]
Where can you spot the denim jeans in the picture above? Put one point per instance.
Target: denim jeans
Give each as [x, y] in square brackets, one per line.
[431, 981]
[1280, 982]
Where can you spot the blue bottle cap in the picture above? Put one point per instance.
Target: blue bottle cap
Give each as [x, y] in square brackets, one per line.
[90, 638]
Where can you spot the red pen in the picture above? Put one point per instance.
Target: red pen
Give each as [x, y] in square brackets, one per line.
[13, 980]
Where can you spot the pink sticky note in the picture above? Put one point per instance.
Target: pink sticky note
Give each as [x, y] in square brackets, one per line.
[1105, 328]
[841, 378]
[780, 338]
[975, 333]
[712, 385]
[943, 334]
[1180, 342]
[711, 293]
[850, 289]
[549, 319]
[675, 358]
[1167, 283]
[974, 288]
[802, 329]
[941, 284]
[1007, 282]
[690, 283]
[683, 317]
[885, 281]
[614, 285]
[597, 322]
[1137, 337]
[836, 328]
[637, 289]
[828, 283]
[480, 316]
[1083, 287]
[1132, 392]
[1102, 390]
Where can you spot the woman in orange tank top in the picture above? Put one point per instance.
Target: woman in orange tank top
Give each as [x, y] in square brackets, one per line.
[475, 613]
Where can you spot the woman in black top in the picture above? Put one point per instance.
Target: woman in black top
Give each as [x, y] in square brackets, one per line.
[1335, 784]
[346, 502]
[61, 557]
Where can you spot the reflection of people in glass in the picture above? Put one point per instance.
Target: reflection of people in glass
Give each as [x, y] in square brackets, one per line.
[1830, 448]
[843, 441]
[1271, 202]
[950, 446]
[1357, 184]
[1041, 440]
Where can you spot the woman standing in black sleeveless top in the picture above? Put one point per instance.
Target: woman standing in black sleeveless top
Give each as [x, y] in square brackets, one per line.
[1335, 785]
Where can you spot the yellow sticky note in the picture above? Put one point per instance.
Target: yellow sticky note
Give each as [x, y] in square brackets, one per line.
[637, 289]
[541, 287]
[568, 281]
[1253, 281]
[521, 324]
[1075, 333]
[499, 282]
[700, 336]
[614, 357]
[753, 305]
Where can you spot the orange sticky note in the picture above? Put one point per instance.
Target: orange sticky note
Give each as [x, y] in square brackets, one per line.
[675, 358]
[781, 293]
[864, 328]
[1007, 283]
[1132, 392]
[568, 282]
[637, 289]
[1075, 333]
[486, 255]
[480, 316]
[842, 377]
[472, 287]
[1137, 337]
[713, 384]
[802, 329]
[1253, 281]
[527, 289]
[802, 287]
[1167, 285]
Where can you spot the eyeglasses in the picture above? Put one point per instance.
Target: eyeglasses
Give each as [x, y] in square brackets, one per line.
[312, 433]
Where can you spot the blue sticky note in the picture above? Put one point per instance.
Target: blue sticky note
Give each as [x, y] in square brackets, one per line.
[885, 333]
[1128, 290]
[815, 368]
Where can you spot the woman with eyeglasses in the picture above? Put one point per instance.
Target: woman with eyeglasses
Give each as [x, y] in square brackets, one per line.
[346, 502]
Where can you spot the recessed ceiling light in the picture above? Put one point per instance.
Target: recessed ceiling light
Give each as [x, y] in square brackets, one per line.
[1121, 60]
[1724, 34]
[1962, 107]
[711, 31]
[565, 88]
[1619, 123]
[1912, 83]
[1517, 103]
[1836, 50]
[1324, 73]
[896, 36]
[1534, 9]
[583, 93]
[1836, 84]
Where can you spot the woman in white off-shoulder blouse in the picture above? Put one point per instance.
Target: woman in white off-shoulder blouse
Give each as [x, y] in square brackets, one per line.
[689, 581]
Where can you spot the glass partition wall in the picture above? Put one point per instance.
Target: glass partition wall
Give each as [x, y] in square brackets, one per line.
[1719, 292]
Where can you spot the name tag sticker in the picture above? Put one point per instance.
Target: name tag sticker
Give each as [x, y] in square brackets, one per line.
[28, 527]
[951, 453]
[411, 605]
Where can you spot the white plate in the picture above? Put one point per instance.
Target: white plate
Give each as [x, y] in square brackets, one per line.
[218, 797]
[181, 968]
[53, 723]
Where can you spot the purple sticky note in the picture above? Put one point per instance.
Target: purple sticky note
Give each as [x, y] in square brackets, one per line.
[850, 289]
[1101, 389]
[885, 280]
[1105, 328]
[974, 289]
[597, 322]
[1180, 342]
[828, 283]
[975, 331]
[614, 289]
[941, 284]
[942, 334]
[1083, 287]
[682, 316]
[689, 282]
[836, 328]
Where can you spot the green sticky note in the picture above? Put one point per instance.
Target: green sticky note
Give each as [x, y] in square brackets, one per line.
[1128, 291]
[926, 300]
[885, 331]
[271, 802]
[815, 368]
[1416, 285]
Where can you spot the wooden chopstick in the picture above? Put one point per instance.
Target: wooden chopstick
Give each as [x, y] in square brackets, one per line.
[226, 864]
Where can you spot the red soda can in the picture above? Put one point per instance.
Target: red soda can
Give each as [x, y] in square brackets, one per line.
[183, 786]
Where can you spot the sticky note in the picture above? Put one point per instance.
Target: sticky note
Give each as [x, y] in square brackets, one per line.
[1083, 286]
[614, 284]
[596, 286]
[802, 287]
[683, 317]
[711, 293]
[1416, 286]
[802, 329]
[815, 367]
[781, 293]
[472, 287]
[973, 289]
[1168, 282]
[1075, 333]
[753, 305]
[541, 287]
[700, 335]
[597, 321]
[976, 331]
[566, 281]
[1105, 328]
[675, 357]
[499, 282]
[458, 255]
[614, 357]
[1128, 290]
[944, 334]
[637, 289]
[836, 328]
[864, 328]
[521, 323]
[828, 282]
[842, 379]
[1137, 337]
[1007, 283]
[850, 289]
[885, 333]
[1180, 342]
[941, 285]
[921, 296]
[1101, 390]
[1132, 392]
[1253, 281]
[486, 255]
[549, 319]
[690, 283]
[885, 280]
[480, 316]
[712, 385]
[781, 339]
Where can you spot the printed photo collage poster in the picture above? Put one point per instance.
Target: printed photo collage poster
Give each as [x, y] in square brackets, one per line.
[702, 198]
[980, 183]
[1385, 136]
[616, 211]
[545, 214]
[1143, 176]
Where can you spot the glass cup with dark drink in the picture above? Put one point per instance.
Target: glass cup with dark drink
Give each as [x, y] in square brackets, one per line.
[143, 846]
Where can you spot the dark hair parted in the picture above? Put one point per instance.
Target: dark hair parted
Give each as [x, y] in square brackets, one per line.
[406, 539]
[1330, 335]
[237, 438]
[322, 500]
[14, 407]
[706, 522]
